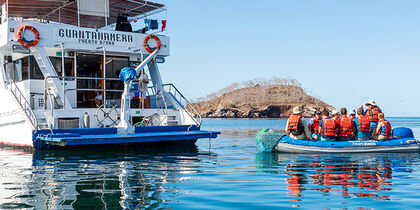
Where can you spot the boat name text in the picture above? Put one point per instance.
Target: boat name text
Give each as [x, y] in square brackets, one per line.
[95, 37]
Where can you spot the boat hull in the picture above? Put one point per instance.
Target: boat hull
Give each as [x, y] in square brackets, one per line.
[288, 145]
[103, 137]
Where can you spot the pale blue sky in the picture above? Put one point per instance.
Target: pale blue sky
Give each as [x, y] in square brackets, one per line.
[344, 52]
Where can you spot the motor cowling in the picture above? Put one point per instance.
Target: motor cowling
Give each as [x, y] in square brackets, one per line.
[402, 132]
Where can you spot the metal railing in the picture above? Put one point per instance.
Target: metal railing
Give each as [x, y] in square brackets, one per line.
[26, 107]
[183, 102]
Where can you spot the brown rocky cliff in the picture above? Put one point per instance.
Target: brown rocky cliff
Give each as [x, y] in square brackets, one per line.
[260, 101]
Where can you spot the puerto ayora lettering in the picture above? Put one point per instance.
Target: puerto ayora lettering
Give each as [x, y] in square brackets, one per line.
[94, 37]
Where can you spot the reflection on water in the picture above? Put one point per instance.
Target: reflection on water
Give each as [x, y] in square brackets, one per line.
[349, 175]
[103, 179]
[225, 173]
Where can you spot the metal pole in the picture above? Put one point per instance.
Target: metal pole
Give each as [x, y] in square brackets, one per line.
[78, 13]
[104, 74]
[63, 74]
[7, 10]
[106, 12]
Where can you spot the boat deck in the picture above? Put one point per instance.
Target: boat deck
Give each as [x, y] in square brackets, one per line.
[106, 136]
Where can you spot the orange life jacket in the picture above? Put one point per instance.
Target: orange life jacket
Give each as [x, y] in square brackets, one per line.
[293, 122]
[345, 127]
[364, 124]
[329, 127]
[372, 115]
[315, 125]
[386, 129]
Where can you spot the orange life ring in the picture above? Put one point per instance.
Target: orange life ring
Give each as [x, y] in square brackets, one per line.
[22, 39]
[146, 45]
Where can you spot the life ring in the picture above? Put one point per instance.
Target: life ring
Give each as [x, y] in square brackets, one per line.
[22, 39]
[146, 45]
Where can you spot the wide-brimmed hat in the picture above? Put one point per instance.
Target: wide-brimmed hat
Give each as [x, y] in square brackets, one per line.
[371, 102]
[297, 110]
[334, 112]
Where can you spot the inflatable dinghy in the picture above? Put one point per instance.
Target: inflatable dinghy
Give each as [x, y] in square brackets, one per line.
[271, 141]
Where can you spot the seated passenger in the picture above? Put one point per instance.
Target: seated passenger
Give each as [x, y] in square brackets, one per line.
[314, 125]
[345, 126]
[296, 126]
[335, 115]
[384, 128]
[352, 115]
[362, 125]
[327, 127]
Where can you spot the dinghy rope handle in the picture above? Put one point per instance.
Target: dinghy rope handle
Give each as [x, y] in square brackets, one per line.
[22, 39]
[146, 43]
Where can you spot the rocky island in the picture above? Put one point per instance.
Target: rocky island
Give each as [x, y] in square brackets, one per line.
[259, 98]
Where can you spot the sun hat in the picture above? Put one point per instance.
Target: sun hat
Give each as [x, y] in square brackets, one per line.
[334, 112]
[297, 110]
[352, 112]
[371, 102]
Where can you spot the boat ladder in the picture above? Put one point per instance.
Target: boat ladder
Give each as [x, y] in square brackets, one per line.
[23, 103]
[183, 102]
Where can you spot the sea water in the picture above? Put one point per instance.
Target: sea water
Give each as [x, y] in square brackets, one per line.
[224, 173]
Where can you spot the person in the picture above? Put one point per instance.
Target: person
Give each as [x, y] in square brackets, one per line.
[362, 125]
[371, 113]
[327, 127]
[352, 115]
[383, 131]
[345, 126]
[335, 115]
[314, 125]
[98, 99]
[296, 126]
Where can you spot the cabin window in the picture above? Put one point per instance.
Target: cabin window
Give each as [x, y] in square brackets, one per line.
[25, 68]
[88, 65]
[68, 66]
[34, 71]
[113, 69]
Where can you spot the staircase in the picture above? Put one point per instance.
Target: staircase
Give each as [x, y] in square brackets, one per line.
[23, 103]
[54, 85]
[183, 103]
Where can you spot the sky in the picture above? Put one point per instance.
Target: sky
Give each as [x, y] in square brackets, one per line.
[343, 52]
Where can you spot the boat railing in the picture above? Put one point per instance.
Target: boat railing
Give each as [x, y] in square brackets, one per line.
[150, 90]
[184, 103]
[26, 107]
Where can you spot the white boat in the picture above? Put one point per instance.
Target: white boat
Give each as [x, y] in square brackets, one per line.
[60, 87]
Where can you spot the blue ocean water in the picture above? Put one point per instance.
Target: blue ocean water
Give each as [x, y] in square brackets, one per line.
[225, 173]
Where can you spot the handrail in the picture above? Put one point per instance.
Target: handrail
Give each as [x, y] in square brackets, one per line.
[26, 107]
[164, 102]
[80, 78]
[199, 121]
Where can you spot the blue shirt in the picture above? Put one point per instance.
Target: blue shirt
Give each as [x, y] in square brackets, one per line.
[373, 124]
[361, 134]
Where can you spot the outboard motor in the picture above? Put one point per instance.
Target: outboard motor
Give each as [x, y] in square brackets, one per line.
[123, 24]
[402, 132]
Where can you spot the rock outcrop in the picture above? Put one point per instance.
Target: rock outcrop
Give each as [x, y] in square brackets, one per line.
[274, 101]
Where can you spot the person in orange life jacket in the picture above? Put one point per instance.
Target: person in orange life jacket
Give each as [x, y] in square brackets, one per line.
[384, 128]
[371, 113]
[352, 116]
[314, 125]
[362, 125]
[345, 126]
[296, 126]
[327, 126]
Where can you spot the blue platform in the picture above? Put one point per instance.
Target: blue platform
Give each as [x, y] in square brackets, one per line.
[44, 139]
